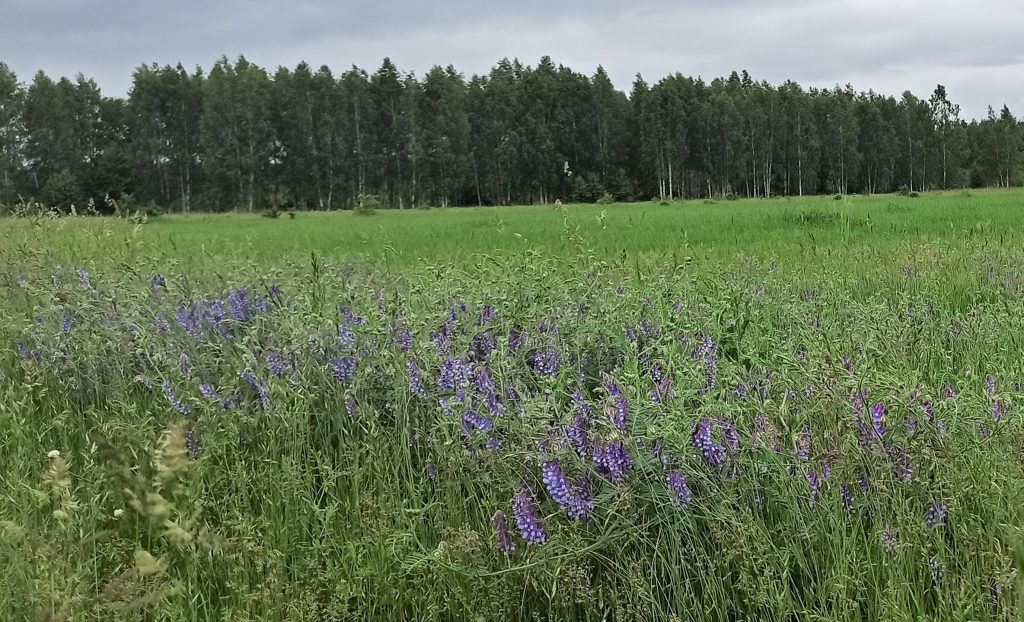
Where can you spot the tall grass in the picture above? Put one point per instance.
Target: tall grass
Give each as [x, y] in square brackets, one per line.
[286, 491]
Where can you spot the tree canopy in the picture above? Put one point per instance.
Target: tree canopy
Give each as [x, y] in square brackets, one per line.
[240, 137]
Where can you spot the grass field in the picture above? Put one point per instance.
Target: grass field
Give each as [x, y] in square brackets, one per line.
[803, 409]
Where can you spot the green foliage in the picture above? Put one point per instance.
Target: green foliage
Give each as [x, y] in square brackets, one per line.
[367, 204]
[305, 512]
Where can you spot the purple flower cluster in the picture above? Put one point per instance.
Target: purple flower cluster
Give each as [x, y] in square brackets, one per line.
[677, 484]
[192, 444]
[415, 381]
[344, 369]
[547, 361]
[714, 454]
[613, 462]
[847, 497]
[618, 410]
[261, 391]
[454, 375]
[998, 410]
[878, 414]
[936, 514]
[474, 421]
[516, 340]
[576, 501]
[803, 444]
[527, 516]
[173, 398]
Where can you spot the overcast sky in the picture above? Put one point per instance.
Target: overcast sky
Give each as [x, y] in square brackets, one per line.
[974, 47]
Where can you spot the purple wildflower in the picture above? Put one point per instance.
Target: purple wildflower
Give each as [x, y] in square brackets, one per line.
[68, 323]
[878, 414]
[161, 324]
[889, 538]
[187, 320]
[278, 366]
[350, 405]
[847, 497]
[677, 484]
[546, 361]
[998, 410]
[863, 480]
[192, 444]
[982, 431]
[262, 393]
[902, 467]
[815, 484]
[474, 421]
[208, 391]
[501, 529]
[990, 385]
[58, 282]
[714, 454]
[732, 437]
[494, 443]
[482, 345]
[405, 340]
[847, 364]
[415, 382]
[951, 392]
[344, 369]
[156, 283]
[937, 569]
[516, 340]
[710, 375]
[175, 401]
[706, 348]
[613, 461]
[911, 425]
[488, 314]
[83, 278]
[454, 374]
[527, 516]
[576, 504]
[936, 514]
[238, 304]
[803, 444]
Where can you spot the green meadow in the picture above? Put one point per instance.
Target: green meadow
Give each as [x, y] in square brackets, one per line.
[787, 409]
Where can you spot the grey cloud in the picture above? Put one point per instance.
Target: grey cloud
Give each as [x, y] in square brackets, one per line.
[888, 46]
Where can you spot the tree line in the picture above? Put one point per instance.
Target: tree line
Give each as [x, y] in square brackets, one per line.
[240, 137]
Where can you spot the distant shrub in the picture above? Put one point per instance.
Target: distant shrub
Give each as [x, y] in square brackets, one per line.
[731, 196]
[838, 197]
[367, 204]
[913, 195]
[665, 202]
[813, 218]
[291, 215]
[271, 212]
[709, 202]
[605, 199]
